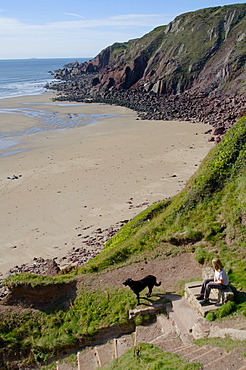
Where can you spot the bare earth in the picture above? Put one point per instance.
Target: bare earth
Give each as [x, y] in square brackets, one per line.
[172, 272]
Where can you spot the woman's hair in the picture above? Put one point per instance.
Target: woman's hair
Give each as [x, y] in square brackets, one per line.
[217, 264]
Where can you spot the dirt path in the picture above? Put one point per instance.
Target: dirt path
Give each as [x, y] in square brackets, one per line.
[169, 271]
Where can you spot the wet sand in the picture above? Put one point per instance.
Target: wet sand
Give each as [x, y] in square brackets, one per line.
[72, 181]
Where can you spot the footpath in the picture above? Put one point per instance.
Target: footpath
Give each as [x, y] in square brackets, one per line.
[173, 331]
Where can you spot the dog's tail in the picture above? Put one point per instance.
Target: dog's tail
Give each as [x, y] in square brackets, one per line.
[158, 284]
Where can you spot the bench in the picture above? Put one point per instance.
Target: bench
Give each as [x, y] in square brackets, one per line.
[225, 295]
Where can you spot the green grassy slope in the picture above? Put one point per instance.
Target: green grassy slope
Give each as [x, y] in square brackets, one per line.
[208, 215]
[146, 356]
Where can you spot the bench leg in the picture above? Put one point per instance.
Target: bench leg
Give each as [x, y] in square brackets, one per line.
[221, 296]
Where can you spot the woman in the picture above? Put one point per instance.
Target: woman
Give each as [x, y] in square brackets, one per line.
[220, 281]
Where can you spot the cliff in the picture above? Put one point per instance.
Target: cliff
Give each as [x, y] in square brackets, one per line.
[192, 69]
[205, 48]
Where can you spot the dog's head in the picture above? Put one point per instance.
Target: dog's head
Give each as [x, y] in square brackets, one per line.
[128, 282]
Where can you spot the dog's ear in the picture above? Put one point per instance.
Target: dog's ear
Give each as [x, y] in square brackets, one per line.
[127, 281]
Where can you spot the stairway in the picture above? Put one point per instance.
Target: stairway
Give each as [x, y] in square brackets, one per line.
[163, 334]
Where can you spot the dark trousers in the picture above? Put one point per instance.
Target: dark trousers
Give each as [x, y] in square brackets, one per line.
[209, 284]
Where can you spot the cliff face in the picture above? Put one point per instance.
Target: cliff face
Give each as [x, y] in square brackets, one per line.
[204, 49]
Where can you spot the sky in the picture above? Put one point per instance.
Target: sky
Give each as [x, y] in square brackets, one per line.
[81, 29]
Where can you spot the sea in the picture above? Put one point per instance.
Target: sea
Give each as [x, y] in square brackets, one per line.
[22, 77]
[19, 77]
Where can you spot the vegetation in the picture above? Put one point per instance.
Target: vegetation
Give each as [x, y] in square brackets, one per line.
[147, 356]
[208, 218]
[209, 214]
[226, 343]
[35, 335]
[35, 280]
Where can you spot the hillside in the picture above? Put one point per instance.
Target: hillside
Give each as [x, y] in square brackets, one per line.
[193, 68]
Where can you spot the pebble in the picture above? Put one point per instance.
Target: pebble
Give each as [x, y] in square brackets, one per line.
[75, 257]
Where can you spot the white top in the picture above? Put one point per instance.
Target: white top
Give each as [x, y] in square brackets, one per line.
[221, 275]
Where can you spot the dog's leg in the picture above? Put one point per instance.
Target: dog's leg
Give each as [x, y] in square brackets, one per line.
[150, 291]
[138, 298]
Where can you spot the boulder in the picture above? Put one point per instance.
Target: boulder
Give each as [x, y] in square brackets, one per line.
[218, 131]
[52, 268]
[201, 328]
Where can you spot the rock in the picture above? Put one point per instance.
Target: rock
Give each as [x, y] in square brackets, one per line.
[3, 292]
[156, 83]
[234, 334]
[201, 329]
[225, 295]
[52, 268]
[207, 273]
[218, 131]
[152, 310]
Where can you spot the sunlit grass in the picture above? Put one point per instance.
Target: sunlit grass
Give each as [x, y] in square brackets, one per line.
[147, 356]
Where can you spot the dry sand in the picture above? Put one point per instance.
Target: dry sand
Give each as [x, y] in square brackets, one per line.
[86, 176]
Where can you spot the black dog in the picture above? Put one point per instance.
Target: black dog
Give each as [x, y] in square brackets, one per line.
[138, 285]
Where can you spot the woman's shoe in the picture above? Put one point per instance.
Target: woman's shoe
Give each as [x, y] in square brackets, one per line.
[205, 302]
[200, 297]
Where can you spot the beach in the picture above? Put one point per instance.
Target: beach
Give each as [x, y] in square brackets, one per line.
[59, 185]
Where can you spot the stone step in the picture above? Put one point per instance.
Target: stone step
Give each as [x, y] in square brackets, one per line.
[123, 344]
[87, 359]
[216, 361]
[209, 357]
[183, 349]
[182, 317]
[65, 366]
[188, 352]
[193, 352]
[105, 353]
[167, 344]
[221, 362]
[148, 332]
[192, 290]
[203, 355]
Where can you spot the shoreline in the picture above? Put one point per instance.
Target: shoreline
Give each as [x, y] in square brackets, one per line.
[72, 182]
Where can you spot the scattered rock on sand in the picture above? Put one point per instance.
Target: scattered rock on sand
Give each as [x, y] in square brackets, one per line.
[93, 245]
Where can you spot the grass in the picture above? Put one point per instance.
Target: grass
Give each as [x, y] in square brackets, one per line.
[146, 356]
[227, 343]
[207, 214]
[221, 312]
[42, 335]
[36, 280]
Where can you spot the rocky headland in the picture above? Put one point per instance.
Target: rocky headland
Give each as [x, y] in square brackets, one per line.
[191, 69]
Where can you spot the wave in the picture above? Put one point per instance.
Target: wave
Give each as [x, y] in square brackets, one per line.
[14, 89]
